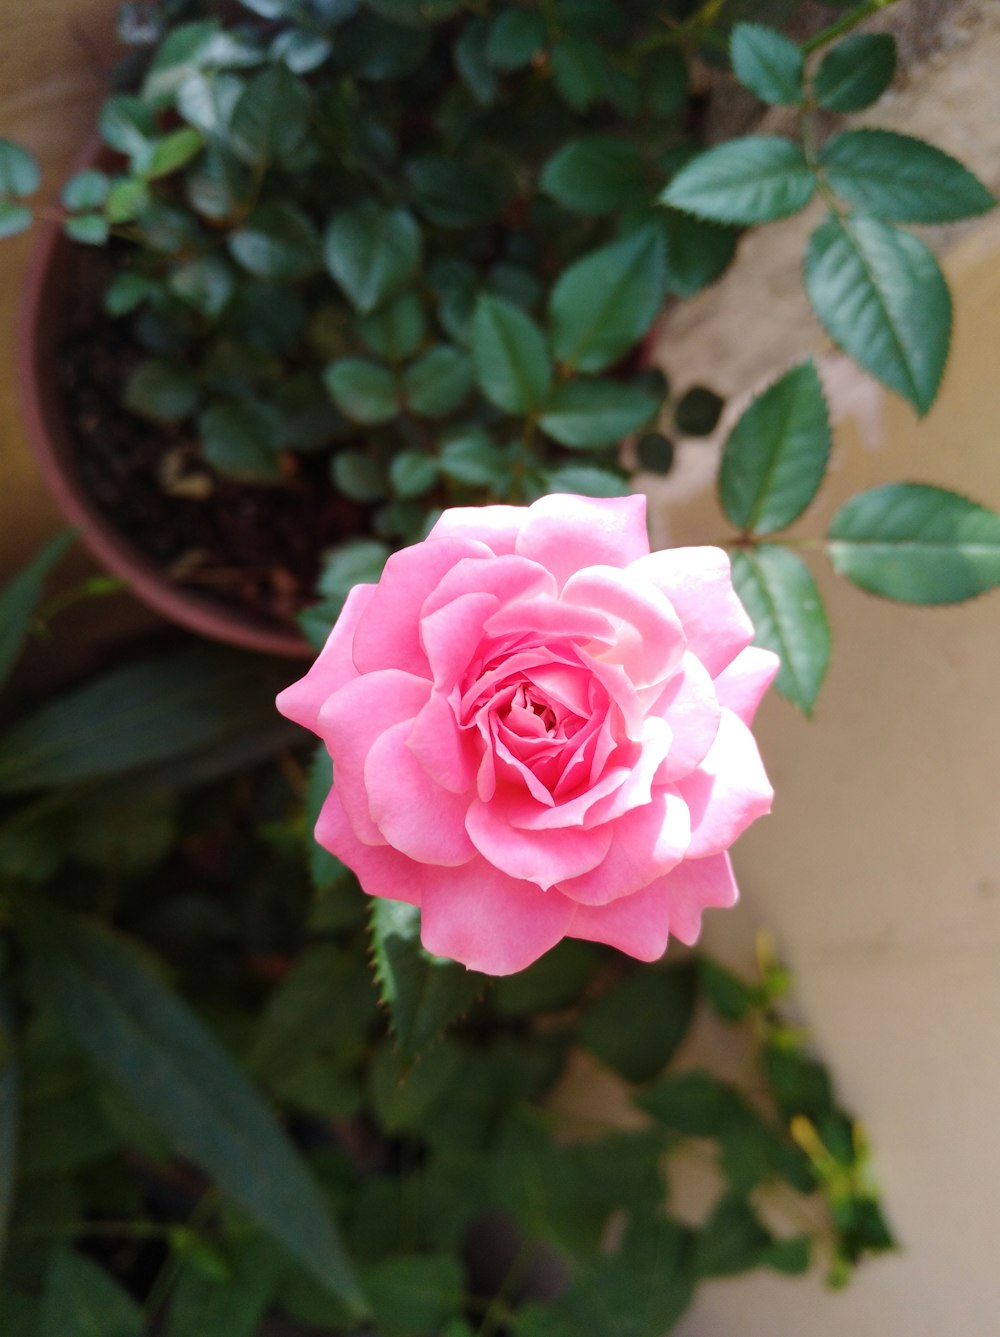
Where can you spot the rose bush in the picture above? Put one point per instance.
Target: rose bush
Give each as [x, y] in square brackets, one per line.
[539, 729]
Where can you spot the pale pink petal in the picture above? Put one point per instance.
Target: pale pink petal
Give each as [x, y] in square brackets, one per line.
[415, 815]
[698, 582]
[333, 667]
[496, 526]
[451, 636]
[637, 789]
[742, 684]
[696, 885]
[381, 870]
[638, 925]
[388, 632]
[647, 843]
[649, 641]
[488, 921]
[564, 533]
[728, 791]
[690, 707]
[447, 752]
[510, 578]
[351, 721]
[543, 857]
[548, 618]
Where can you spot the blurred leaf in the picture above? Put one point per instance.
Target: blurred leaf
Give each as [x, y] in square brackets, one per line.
[754, 179]
[372, 252]
[469, 55]
[10, 1107]
[162, 391]
[901, 178]
[579, 71]
[89, 229]
[666, 83]
[148, 1042]
[554, 981]
[698, 411]
[237, 440]
[129, 835]
[168, 153]
[586, 480]
[423, 993]
[271, 117]
[227, 1306]
[588, 413]
[207, 101]
[278, 241]
[694, 1103]
[732, 998]
[358, 475]
[605, 302]
[206, 282]
[697, 251]
[86, 190]
[14, 218]
[414, 1294]
[126, 124]
[856, 72]
[799, 1084]
[787, 611]
[82, 1300]
[397, 329]
[915, 543]
[731, 1241]
[19, 600]
[596, 175]
[468, 455]
[768, 63]
[404, 1090]
[353, 562]
[775, 457]
[509, 355]
[437, 382]
[880, 295]
[637, 1026]
[365, 391]
[516, 36]
[20, 174]
[301, 49]
[412, 473]
[655, 453]
[454, 194]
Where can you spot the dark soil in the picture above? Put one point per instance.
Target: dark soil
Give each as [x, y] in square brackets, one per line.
[256, 548]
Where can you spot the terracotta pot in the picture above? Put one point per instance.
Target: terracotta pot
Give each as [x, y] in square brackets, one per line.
[56, 448]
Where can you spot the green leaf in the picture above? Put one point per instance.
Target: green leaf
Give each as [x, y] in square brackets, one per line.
[233, 1305]
[516, 36]
[638, 1025]
[354, 562]
[237, 440]
[423, 993]
[166, 155]
[82, 1300]
[901, 178]
[768, 63]
[579, 71]
[469, 55]
[732, 1240]
[605, 302]
[880, 295]
[799, 1084]
[698, 411]
[20, 598]
[20, 174]
[655, 453]
[162, 391]
[415, 13]
[751, 180]
[776, 455]
[271, 118]
[86, 190]
[555, 981]
[126, 124]
[787, 611]
[666, 83]
[14, 218]
[856, 72]
[358, 475]
[189, 48]
[89, 229]
[694, 1103]
[207, 101]
[127, 198]
[414, 1294]
[454, 194]
[155, 710]
[509, 356]
[596, 175]
[438, 382]
[412, 473]
[324, 869]
[586, 480]
[732, 998]
[469, 455]
[588, 413]
[10, 1108]
[218, 186]
[397, 329]
[205, 282]
[917, 544]
[302, 50]
[149, 1043]
[278, 241]
[372, 252]
[365, 391]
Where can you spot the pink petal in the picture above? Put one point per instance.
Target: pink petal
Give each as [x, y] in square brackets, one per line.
[452, 635]
[382, 871]
[333, 667]
[649, 641]
[548, 618]
[696, 885]
[447, 752]
[352, 720]
[647, 843]
[488, 921]
[690, 707]
[698, 582]
[742, 684]
[542, 857]
[728, 791]
[565, 533]
[496, 526]
[415, 815]
[508, 577]
[638, 925]
[388, 632]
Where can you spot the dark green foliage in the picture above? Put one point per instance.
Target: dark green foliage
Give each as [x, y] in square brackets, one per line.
[856, 72]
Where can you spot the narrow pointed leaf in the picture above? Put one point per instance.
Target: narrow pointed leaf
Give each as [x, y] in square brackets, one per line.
[901, 178]
[750, 180]
[917, 544]
[20, 599]
[788, 616]
[147, 1041]
[776, 455]
[880, 294]
[856, 72]
[767, 62]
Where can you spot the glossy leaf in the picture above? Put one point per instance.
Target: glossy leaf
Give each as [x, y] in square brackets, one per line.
[751, 180]
[917, 544]
[423, 993]
[397, 329]
[587, 480]
[169, 153]
[271, 117]
[145, 1039]
[412, 473]
[278, 241]
[365, 391]
[20, 598]
[588, 413]
[438, 382]
[82, 1300]
[605, 302]
[901, 178]
[126, 124]
[515, 37]
[776, 455]
[880, 294]
[509, 356]
[787, 611]
[697, 251]
[768, 63]
[372, 252]
[856, 72]
[595, 175]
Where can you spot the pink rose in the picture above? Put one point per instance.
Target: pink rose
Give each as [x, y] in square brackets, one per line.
[539, 729]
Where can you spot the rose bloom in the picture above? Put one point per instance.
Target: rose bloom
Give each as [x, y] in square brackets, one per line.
[539, 729]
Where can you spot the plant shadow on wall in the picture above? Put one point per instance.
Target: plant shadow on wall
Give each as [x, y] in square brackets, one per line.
[211, 1112]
